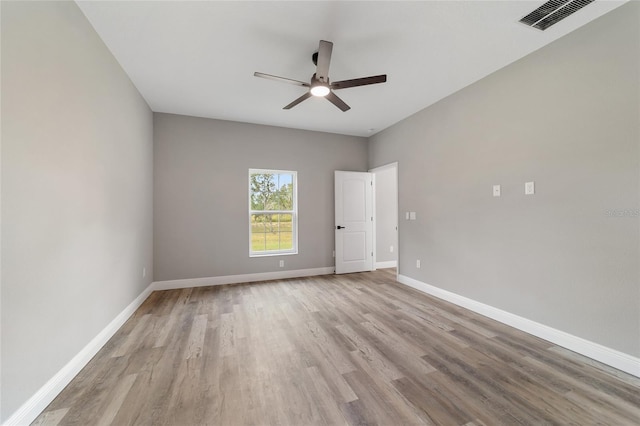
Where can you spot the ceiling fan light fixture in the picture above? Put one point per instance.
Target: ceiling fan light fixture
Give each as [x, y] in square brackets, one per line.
[320, 90]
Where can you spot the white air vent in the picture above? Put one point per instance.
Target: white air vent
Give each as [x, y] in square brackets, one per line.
[553, 12]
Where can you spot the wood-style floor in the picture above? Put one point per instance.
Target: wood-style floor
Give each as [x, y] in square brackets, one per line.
[350, 349]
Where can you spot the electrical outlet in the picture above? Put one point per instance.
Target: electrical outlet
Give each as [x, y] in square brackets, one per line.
[418, 263]
[282, 263]
[334, 253]
[529, 188]
[390, 249]
[496, 190]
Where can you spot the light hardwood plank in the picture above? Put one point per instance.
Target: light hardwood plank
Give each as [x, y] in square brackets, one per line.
[51, 418]
[120, 392]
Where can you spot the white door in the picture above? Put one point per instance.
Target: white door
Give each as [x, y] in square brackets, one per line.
[354, 221]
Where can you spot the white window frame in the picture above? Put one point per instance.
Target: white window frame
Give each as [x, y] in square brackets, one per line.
[293, 212]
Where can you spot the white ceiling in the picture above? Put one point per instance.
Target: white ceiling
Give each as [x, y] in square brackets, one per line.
[198, 58]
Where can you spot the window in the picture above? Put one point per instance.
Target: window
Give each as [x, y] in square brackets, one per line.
[273, 212]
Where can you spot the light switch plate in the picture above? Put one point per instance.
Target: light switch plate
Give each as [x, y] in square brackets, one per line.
[412, 215]
[529, 188]
[496, 190]
[407, 216]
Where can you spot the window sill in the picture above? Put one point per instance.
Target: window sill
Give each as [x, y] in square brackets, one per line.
[286, 253]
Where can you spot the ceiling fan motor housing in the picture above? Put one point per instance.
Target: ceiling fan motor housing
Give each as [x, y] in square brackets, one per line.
[318, 87]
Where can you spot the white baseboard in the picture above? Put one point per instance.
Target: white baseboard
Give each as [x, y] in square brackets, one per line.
[243, 278]
[611, 357]
[387, 264]
[32, 408]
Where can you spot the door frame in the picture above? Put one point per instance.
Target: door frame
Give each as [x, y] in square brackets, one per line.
[393, 165]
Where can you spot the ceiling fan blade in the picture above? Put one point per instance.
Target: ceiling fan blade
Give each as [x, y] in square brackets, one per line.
[331, 97]
[297, 101]
[281, 79]
[324, 59]
[359, 82]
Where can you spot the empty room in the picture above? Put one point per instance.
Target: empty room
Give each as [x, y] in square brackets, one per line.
[320, 212]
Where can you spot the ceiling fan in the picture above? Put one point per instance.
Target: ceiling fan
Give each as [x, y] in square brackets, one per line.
[320, 85]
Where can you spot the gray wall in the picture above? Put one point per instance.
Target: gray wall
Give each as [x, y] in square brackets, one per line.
[386, 214]
[77, 149]
[201, 200]
[566, 117]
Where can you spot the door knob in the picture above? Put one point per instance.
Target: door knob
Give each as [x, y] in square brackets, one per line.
[340, 227]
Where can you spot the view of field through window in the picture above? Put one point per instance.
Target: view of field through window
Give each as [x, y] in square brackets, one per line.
[272, 211]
